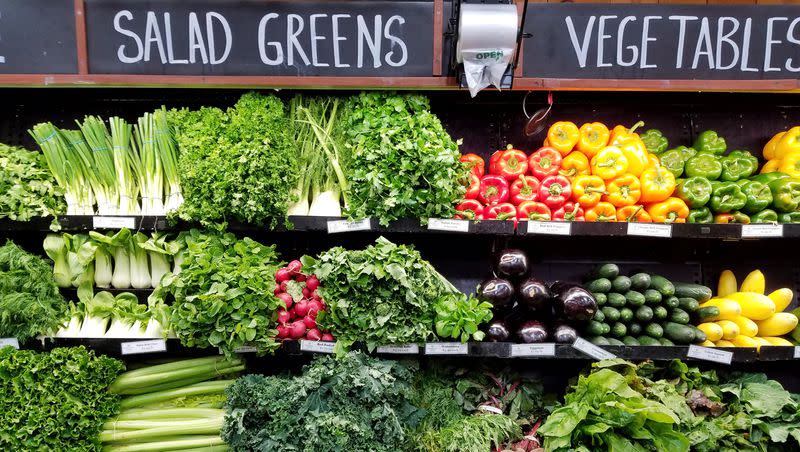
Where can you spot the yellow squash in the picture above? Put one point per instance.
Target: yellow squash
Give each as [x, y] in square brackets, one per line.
[755, 306]
[761, 342]
[744, 341]
[727, 283]
[712, 331]
[754, 282]
[778, 341]
[777, 325]
[747, 327]
[707, 343]
[724, 343]
[728, 309]
[730, 329]
[781, 298]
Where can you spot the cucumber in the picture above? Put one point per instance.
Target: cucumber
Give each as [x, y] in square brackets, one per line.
[652, 296]
[660, 312]
[601, 285]
[599, 316]
[619, 330]
[634, 298]
[629, 340]
[640, 281]
[625, 315]
[616, 300]
[621, 284]
[606, 328]
[610, 314]
[698, 292]
[594, 328]
[654, 330]
[612, 341]
[644, 314]
[662, 285]
[600, 298]
[671, 302]
[688, 304]
[678, 315]
[679, 334]
[634, 329]
[599, 340]
[649, 341]
[706, 313]
[699, 335]
[665, 341]
[608, 271]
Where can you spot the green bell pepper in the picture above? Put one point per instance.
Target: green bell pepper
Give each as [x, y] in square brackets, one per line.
[686, 153]
[694, 191]
[785, 194]
[673, 161]
[726, 197]
[709, 141]
[759, 196]
[732, 217]
[738, 165]
[700, 215]
[654, 141]
[766, 178]
[765, 216]
[704, 165]
[791, 217]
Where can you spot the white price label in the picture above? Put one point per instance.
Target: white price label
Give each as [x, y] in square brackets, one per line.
[317, 346]
[9, 341]
[650, 230]
[584, 346]
[446, 348]
[336, 226]
[245, 349]
[797, 353]
[762, 230]
[550, 227]
[113, 222]
[406, 349]
[138, 347]
[450, 225]
[709, 354]
[519, 350]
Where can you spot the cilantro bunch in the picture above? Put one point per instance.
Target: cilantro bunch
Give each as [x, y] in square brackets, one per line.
[403, 163]
[27, 188]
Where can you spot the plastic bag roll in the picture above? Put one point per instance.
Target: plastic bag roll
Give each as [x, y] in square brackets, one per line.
[487, 37]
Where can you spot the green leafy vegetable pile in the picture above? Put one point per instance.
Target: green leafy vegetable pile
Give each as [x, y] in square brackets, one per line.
[27, 189]
[55, 401]
[403, 163]
[222, 295]
[236, 164]
[30, 303]
[383, 294]
[355, 403]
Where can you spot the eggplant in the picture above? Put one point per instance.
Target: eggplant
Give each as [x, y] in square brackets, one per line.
[534, 295]
[497, 291]
[498, 331]
[531, 332]
[573, 303]
[511, 264]
[564, 334]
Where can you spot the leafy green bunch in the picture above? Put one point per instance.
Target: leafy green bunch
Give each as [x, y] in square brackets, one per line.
[27, 188]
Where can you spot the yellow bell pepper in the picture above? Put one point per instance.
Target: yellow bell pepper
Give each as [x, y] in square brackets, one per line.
[575, 164]
[563, 136]
[791, 164]
[754, 282]
[671, 210]
[594, 137]
[632, 147]
[609, 163]
[790, 141]
[771, 166]
[658, 183]
[652, 161]
[769, 149]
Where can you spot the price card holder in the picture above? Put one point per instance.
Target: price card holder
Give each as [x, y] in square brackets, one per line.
[245, 349]
[584, 346]
[532, 350]
[337, 226]
[650, 230]
[709, 354]
[550, 227]
[761, 230]
[141, 347]
[797, 353]
[113, 222]
[404, 349]
[13, 342]
[449, 225]
[446, 348]
[317, 346]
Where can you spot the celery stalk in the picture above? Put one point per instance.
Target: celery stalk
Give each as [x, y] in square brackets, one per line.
[171, 413]
[212, 387]
[168, 444]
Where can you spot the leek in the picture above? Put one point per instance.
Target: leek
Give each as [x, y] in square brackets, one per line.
[167, 148]
[127, 166]
[149, 170]
[104, 184]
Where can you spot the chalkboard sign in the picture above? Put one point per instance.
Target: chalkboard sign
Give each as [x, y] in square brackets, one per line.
[666, 41]
[280, 38]
[37, 37]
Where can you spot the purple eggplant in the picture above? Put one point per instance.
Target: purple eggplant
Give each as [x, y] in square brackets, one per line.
[497, 291]
[532, 331]
[511, 264]
[498, 331]
[573, 303]
[564, 334]
[534, 295]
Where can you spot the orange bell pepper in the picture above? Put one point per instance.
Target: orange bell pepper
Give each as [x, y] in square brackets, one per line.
[586, 190]
[574, 164]
[671, 210]
[594, 137]
[791, 164]
[621, 133]
[771, 166]
[624, 190]
[769, 149]
[789, 142]
[633, 214]
[602, 212]
[563, 136]
[657, 184]
[609, 163]
[652, 161]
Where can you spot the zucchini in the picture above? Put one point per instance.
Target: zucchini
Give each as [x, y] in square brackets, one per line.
[608, 271]
[678, 315]
[649, 341]
[634, 298]
[594, 328]
[612, 341]
[671, 302]
[601, 285]
[625, 315]
[679, 334]
[621, 284]
[616, 300]
[697, 292]
[666, 342]
[660, 312]
[706, 314]
[688, 304]
[662, 285]
[599, 316]
[619, 330]
[599, 340]
[699, 335]
[652, 296]
[654, 330]
[644, 314]
[634, 329]
[606, 328]
[600, 298]
[630, 340]
[610, 314]
[640, 282]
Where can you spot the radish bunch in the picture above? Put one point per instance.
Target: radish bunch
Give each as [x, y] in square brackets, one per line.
[298, 320]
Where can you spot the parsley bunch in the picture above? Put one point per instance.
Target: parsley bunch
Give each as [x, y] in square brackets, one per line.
[27, 189]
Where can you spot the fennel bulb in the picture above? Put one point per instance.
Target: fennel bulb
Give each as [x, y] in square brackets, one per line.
[326, 204]
[300, 208]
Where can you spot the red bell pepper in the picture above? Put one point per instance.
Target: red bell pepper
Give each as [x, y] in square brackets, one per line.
[493, 161]
[503, 211]
[469, 209]
[494, 190]
[475, 164]
[555, 191]
[570, 211]
[512, 163]
[526, 188]
[474, 187]
[544, 162]
[534, 211]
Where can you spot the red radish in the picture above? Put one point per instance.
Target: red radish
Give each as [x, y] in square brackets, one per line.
[310, 322]
[306, 292]
[297, 329]
[300, 278]
[327, 337]
[301, 308]
[277, 289]
[294, 266]
[286, 298]
[283, 331]
[284, 316]
[314, 307]
[314, 335]
[312, 283]
[282, 275]
[315, 296]
[283, 285]
[292, 314]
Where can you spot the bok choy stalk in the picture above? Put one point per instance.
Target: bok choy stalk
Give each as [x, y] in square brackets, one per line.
[118, 245]
[104, 180]
[103, 268]
[80, 258]
[56, 250]
[140, 269]
[167, 148]
[129, 318]
[127, 166]
[159, 254]
[90, 317]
